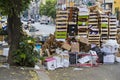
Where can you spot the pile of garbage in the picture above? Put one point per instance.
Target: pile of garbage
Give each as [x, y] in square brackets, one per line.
[77, 51]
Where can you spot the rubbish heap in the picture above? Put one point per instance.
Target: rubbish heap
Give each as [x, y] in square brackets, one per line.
[84, 36]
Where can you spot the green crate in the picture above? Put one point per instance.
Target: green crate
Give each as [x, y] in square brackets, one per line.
[81, 23]
[104, 25]
[61, 35]
[83, 16]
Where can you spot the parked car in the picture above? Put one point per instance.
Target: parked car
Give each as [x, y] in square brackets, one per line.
[44, 22]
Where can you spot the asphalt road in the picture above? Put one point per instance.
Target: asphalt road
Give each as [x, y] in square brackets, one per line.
[45, 29]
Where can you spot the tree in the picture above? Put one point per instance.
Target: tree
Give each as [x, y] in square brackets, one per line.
[48, 9]
[13, 9]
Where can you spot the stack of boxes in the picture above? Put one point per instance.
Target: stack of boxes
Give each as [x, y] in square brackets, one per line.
[72, 21]
[83, 16]
[103, 24]
[61, 24]
[97, 27]
[112, 27]
[93, 36]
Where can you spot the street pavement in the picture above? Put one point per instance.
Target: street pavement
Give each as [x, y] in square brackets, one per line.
[43, 29]
[102, 72]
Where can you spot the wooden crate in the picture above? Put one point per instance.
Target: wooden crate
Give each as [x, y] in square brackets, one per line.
[112, 27]
[94, 39]
[61, 24]
[93, 19]
[103, 25]
[73, 15]
[61, 34]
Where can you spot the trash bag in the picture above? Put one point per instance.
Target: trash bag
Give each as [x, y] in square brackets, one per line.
[99, 53]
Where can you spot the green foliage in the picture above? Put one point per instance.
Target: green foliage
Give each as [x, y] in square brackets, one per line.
[26, 55]
[18, 6]
[48, 9]
[3, 32]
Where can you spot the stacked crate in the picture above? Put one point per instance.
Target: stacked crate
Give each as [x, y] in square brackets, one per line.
[93, 36]
[94, 39]
[112, 27]
[61, 24]
[83, 16]
[72, 21]
[83, 25]
[103, 25]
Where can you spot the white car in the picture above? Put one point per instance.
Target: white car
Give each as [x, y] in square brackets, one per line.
[44, 22]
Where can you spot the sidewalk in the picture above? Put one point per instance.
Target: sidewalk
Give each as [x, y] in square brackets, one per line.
[21, 73]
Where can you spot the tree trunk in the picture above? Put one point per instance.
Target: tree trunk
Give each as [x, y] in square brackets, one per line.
[14, 34]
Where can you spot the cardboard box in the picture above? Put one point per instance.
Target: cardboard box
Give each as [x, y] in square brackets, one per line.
[50, 63]
[118, 54]
[66, 46]
[75, 47]
[84, 40]
[84, 59]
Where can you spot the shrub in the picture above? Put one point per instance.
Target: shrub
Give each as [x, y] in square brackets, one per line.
[26, 55]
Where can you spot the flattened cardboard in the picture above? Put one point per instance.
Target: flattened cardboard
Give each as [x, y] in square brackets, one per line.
[84, 40]
[75, 47]
[66, 46]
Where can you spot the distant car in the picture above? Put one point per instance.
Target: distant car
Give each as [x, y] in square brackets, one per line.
[44, 22]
